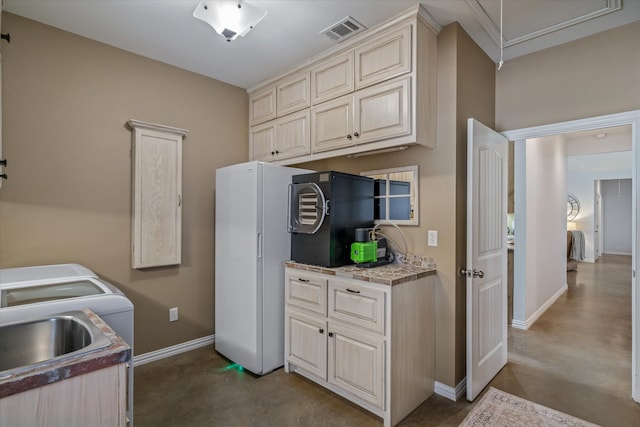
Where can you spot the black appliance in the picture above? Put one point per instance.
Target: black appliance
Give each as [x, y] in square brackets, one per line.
[325, 208]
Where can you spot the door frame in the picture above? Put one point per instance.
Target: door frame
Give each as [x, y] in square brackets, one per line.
[632, 118]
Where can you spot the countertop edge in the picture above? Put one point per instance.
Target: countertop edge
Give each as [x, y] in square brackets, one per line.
[51, 372]
[348, 272]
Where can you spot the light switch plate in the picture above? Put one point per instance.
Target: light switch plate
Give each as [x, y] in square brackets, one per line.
[432, 238]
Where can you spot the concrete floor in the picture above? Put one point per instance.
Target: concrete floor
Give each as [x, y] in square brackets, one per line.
[576, 358]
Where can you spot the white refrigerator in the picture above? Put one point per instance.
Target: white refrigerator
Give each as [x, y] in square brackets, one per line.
[251, 246]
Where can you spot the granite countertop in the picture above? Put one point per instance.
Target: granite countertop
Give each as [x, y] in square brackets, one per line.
[40, 374]
[390, 274]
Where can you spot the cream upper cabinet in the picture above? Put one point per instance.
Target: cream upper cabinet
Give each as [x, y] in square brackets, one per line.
[332, 124]
[262, 141]
[285, 137]
[332, 78]
[262, 105]
[384, 57]
[157, 195]
[293, 93]
[372, 92]
[383, 111]
[293, 135]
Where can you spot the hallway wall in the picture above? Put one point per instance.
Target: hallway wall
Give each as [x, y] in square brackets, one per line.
[540, 254]
[616, 217]
[584, 171]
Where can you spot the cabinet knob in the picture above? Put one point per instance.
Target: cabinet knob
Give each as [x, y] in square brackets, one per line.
[321, 331]
[273, 153]
[331, 334]
[277, 152]
[356, 134]
[349, 136]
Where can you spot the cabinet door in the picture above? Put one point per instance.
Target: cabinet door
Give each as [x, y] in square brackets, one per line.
[356, 363]
[383, 58]
[262, 139]
[262, 105]
[157, 195]
[332, 78]
[293, 135]
[293, 93]
[332, 124]
[306, 343]
[383, 111]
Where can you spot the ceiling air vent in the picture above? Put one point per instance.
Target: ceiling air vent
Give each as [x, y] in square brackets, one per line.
[342, 29]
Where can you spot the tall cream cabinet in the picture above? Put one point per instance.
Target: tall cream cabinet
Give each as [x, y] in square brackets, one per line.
[374, 91]
[157, 194]
[370, 343]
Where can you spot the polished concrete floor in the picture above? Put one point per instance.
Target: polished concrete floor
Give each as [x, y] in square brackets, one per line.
[576, 358]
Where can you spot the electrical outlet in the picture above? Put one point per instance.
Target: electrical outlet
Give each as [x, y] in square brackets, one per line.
[173, 314]
[432, 239]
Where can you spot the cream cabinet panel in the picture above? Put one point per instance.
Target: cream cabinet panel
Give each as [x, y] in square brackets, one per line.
[383, 111]
[262, 105]
[157, 195]
[332, 78]
[357, 305]
[293, 93]
[288, 136]
[306, 342]
[383, 58]
[262, 140]
[306, 291]
[293, 135]
[95, 399]
[356, 363]
[332, 124]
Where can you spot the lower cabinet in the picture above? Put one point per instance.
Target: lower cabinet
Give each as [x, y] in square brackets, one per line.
[372, 344]
[98, 398]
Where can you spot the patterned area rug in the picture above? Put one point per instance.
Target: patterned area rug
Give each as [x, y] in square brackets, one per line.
[500, 409]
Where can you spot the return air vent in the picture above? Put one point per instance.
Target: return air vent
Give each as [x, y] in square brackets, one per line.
[342, 29]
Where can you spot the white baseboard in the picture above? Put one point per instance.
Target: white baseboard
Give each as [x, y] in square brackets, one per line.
[519, 324]
[152, 356]
[617, 253]
[449, 392]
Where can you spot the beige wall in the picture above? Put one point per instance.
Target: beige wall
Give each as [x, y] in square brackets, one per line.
[465, 89]
[589, 77]
[66, 100]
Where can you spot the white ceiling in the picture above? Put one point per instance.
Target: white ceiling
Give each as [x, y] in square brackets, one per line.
[165, 30]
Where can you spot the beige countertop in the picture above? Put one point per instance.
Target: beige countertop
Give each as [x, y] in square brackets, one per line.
[40, 374]
[390, 274]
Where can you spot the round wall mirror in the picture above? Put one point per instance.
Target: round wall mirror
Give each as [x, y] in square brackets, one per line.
[573, 207]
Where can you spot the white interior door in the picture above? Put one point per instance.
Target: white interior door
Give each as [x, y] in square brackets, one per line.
[486, 268]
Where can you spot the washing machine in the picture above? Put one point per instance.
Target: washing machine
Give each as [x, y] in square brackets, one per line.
[44, 290]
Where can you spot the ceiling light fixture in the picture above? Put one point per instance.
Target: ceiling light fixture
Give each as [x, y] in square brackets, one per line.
[230, 18]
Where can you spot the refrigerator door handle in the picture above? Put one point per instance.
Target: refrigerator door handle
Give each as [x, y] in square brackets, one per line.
[259, 245]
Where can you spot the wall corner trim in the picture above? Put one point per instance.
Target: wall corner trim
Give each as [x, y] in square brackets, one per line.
[518, 324]
[174, 350]
[449, 392]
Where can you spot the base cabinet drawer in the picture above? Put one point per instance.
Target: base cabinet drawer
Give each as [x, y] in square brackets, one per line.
[358, 305]
[306, 291]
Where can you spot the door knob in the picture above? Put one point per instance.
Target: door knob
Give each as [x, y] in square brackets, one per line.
[471, 273]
